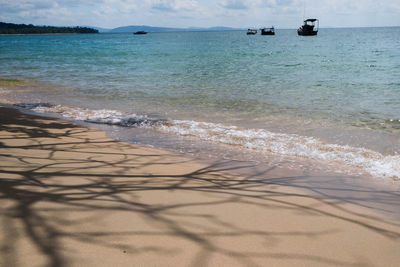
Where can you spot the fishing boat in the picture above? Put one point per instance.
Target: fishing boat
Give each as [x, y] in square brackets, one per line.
[251, 31]
[140, 32]
[268, 31]
[309, 28]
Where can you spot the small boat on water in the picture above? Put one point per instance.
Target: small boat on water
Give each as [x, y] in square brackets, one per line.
[140, 32]
[309, 28]
[251, 31]
[268, 31]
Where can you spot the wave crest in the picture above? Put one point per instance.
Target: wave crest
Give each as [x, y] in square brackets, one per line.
[370, 161]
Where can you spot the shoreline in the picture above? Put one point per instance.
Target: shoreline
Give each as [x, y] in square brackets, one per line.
[336, 146]
[70, 194]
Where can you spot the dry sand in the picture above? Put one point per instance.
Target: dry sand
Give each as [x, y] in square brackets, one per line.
[70, 196]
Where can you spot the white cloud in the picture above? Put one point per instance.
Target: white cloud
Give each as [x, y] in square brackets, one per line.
[172, 5]
[235, 4]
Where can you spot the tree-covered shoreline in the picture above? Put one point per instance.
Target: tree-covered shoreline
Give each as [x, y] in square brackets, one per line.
[11, 28]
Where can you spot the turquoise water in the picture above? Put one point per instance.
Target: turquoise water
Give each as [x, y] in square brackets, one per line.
[339, 88]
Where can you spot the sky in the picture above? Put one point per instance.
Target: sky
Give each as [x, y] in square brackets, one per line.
[201, 13]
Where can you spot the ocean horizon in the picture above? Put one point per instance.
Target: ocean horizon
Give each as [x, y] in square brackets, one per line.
[334, 97]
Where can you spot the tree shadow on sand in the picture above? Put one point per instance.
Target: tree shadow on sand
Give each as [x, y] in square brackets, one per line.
[56, 169]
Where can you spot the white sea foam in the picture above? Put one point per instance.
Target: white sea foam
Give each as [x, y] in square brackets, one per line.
[370, 161]
[103, 116]
[290, 144]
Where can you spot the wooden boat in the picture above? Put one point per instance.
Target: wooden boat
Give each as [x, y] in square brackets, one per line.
[140, 32]
[251, 31]
[268, 31]
[309, 28]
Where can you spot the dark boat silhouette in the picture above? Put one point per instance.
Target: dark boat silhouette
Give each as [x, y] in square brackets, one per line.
[268, 31]
[309, 28]
[140, 32]
[251, 32]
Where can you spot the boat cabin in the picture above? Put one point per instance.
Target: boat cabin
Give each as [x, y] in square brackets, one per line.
[251, 31]
[309, 28]
[268, 31]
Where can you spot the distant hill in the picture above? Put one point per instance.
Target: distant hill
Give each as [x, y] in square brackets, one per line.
[135, 28]
[11, 28]
[221, 28]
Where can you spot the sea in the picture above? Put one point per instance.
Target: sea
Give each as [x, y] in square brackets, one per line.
[331, 99]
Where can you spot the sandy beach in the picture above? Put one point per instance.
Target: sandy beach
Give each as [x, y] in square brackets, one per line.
[71, 196]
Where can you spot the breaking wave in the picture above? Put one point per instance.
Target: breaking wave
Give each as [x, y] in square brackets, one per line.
[103, 116]
[373, 162]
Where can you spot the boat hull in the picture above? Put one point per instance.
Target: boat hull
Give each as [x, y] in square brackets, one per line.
[267, 33]
[303, 32]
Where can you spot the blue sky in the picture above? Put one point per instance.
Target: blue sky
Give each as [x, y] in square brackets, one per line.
[201, 13]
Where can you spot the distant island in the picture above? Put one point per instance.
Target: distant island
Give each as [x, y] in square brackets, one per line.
[11, 28]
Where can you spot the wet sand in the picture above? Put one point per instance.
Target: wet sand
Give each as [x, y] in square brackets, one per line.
[71, 196]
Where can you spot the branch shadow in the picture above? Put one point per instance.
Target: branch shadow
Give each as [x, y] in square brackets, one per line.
[59, 166]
